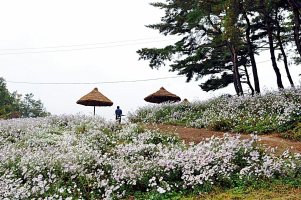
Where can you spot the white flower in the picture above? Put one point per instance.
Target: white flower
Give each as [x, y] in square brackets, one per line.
[61, 190]
[161, 190]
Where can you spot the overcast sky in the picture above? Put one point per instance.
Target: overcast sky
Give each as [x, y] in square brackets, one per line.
[92, 41]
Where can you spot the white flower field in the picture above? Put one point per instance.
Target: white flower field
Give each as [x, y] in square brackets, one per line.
[80, 157]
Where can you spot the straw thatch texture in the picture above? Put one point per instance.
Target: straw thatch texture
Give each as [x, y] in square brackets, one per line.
[95, 98]
[185, 101]
[162, 95]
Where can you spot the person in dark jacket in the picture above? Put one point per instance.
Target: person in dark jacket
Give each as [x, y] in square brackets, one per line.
[118, 113]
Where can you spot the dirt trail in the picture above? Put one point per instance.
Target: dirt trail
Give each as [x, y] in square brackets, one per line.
[196, 135]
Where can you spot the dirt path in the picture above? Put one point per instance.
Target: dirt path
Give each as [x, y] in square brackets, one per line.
[196, 135]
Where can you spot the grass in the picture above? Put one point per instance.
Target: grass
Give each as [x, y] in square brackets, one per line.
[294, 134]
[264, 191]
[275, 192]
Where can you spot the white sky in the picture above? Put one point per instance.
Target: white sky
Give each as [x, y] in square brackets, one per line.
[115, 30]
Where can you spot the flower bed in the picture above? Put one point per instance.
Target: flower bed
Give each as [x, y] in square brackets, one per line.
[78, 157]
[273, 111]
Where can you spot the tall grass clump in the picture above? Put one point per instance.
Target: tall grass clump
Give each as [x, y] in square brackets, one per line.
[273, 111]
[78, 157]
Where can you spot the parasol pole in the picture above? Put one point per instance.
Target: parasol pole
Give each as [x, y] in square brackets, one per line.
[94, 110]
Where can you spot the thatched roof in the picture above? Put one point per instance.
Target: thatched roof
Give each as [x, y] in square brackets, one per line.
[185, 101]
[95, 98]
[162, 95]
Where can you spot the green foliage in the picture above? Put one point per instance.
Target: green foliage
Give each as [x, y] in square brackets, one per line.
[139, 129]
[215, 83]
[241, 189]
[220, 125]
[211, 32]
[157, 196]
[83, 128]
[9, 102]
[258, 190]
[201, 51]
[30, 107]
[294, 134]
[13, 106]
[156, 56]
[265, 124]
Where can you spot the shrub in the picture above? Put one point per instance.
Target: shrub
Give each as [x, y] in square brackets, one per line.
[269, 112]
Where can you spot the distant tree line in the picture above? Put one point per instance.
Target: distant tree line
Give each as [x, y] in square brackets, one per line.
[220, 38]
[12, 105]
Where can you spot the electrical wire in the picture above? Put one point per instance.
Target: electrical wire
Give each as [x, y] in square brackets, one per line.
[78, 49]
[103, 82]
[91, 83]
[77, 45]
[263, 61]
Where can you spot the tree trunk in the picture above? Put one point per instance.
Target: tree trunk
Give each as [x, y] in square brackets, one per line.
[236, 76]
[283, 52]
[296, 5]
[235, 85]
[297, 29]
[248, 80]
[272, 52]
[269, 29]
[251, 55]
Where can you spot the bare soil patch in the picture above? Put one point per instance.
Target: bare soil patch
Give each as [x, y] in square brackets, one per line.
[196, 135]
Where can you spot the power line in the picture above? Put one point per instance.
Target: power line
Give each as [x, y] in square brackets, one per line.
[263, 61]
[91, 83]
[78, 45]
[103, 82]
[78, 49]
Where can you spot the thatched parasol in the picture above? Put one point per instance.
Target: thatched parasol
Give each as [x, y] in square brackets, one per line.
[162, 95]
[185, 101]
[94, 98]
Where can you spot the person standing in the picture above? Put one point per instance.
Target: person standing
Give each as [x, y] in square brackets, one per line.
[118, 113]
